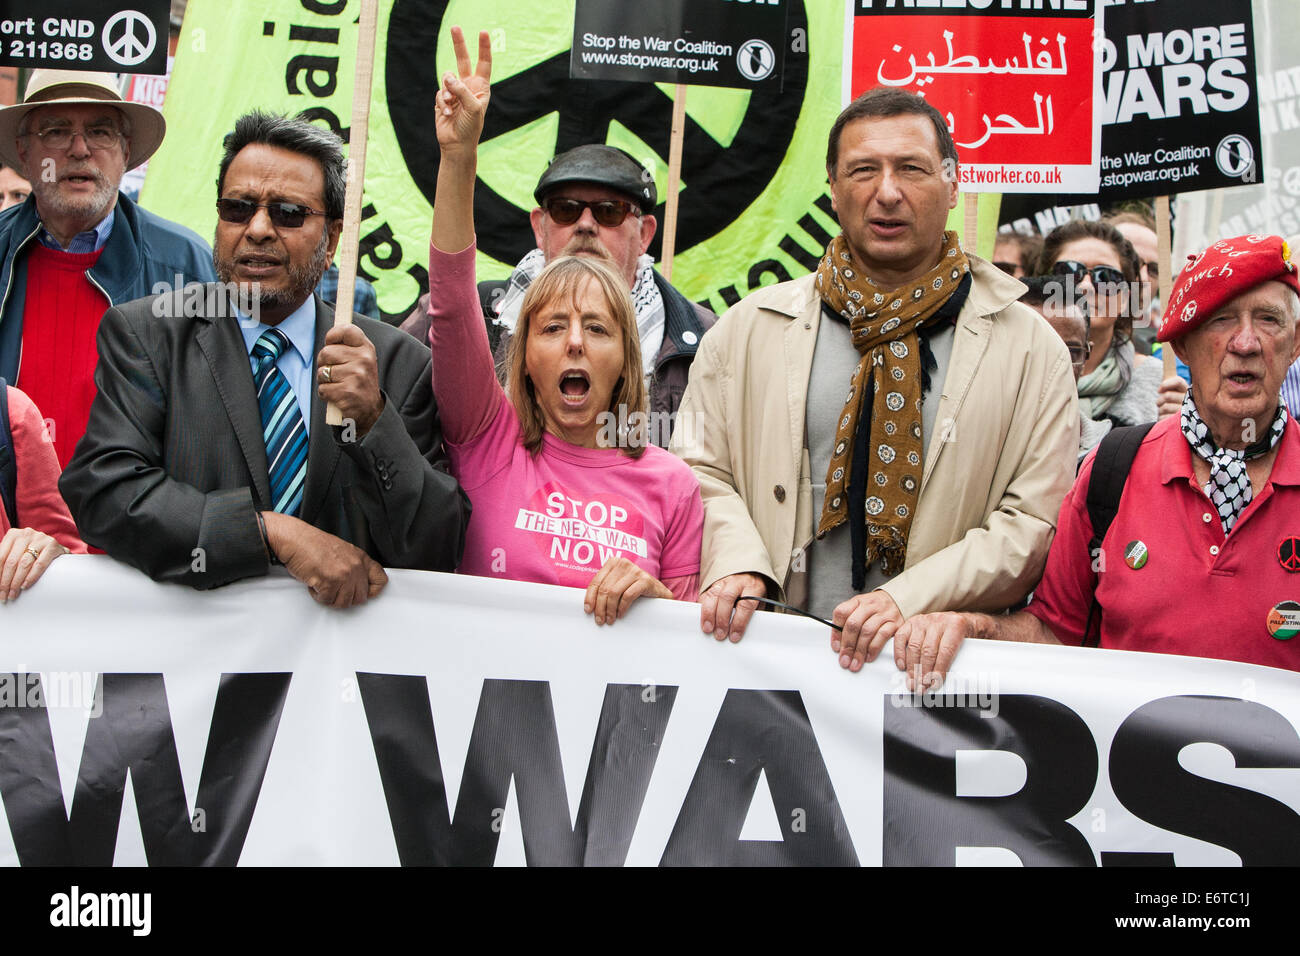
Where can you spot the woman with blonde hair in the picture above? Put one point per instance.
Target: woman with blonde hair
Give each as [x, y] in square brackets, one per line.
[563, 492]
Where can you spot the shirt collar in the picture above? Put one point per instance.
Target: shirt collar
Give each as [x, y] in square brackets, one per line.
[92, 240]
[1176, 461]
[299, 327]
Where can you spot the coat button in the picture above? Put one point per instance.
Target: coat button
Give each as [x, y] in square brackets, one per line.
[779, 492]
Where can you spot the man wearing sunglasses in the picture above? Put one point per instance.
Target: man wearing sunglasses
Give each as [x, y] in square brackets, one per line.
[77, 245]
[207, 457]
[598, 201]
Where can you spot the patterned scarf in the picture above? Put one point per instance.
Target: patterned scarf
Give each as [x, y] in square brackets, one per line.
[884, 325]
[1229, 485]
[1100, 387]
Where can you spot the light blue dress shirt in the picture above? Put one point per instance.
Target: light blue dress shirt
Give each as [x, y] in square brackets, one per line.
[92, 240]
[298, 363]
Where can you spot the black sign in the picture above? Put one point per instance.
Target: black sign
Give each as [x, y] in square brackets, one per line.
[737, 43]
[85, 35]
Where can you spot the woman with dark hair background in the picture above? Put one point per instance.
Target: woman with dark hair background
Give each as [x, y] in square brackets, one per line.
[1116, 384]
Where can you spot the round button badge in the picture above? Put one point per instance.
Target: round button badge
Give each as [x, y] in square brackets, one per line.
[1288, 554]
[1135, 554]
[1284, 620]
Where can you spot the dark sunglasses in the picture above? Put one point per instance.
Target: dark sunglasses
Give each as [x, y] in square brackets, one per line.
[1101, 275]
[607, 212]
[284, 215]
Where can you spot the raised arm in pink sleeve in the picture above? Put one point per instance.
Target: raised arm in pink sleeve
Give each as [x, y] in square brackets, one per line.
[37, 497]
[464, 379]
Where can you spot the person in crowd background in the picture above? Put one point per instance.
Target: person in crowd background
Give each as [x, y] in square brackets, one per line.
[891, 434]
[14, 190]
[1140, 230]
[1068, 317]
[35, 525]
[1208, 511]
[1116, 383]
[1016, 254]
[364, 300]
[595, 200]
[553, 501]
[207, 457]
[77, 246]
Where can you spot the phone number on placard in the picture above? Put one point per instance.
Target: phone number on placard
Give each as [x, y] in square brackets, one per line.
[45, 50]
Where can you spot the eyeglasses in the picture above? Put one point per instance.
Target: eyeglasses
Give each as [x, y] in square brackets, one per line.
[61, 137]
[607, 212]
[284, 215]
[1102, 276]
[1079, 354]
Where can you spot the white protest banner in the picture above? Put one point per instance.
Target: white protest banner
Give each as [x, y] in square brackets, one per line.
[468, 720]
[1020, 86]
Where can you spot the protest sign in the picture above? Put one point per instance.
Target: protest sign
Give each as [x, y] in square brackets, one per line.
[756, 206]
[87, 35]
[1018, 85]
[701, 42]
[469, 720]
[1271, 205]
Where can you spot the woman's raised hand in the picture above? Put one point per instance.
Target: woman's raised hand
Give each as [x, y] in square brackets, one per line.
[462, 102]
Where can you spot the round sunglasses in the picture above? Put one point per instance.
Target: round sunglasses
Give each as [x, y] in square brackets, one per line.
[606, 212]
[285, 215]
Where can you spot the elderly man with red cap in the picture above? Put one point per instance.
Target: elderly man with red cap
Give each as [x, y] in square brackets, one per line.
[1210, 502]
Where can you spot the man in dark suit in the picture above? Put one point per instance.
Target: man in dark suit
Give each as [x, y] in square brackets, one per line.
[207, 457]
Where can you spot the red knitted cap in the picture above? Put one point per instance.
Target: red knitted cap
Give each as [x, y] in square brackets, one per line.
[1221, 273]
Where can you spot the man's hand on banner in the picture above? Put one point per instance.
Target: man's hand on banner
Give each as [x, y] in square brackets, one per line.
[616, 585]
[925, 646]
[867, 621]
[462, 101]
[336, 573]
[720, 615]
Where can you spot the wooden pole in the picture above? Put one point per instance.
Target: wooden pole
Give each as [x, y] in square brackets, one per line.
[674, 179]
[356, 175]
[971, 222]
[1166, 275]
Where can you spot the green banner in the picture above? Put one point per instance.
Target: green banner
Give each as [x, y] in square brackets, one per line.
[755, 204]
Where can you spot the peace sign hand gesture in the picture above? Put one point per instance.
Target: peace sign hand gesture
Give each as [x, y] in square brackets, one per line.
[462, 102]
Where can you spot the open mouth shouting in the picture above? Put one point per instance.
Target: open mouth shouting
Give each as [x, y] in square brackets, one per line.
[575, 387]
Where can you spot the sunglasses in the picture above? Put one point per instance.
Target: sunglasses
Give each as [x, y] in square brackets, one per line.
[607, 212]
[1101, 275]
[284, 215]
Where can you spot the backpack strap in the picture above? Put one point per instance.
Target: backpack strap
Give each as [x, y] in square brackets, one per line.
[8, 461]
[1110, 468]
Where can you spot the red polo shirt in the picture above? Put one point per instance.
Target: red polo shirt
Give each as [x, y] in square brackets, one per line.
[1199, 593]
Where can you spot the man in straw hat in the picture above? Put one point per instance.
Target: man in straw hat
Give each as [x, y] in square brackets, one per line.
[1202, 556]
[77, 246]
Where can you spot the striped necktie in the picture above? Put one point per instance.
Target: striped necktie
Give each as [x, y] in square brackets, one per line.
[282, 425]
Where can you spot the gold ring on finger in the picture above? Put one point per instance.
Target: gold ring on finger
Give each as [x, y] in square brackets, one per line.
[34, 553]
[328, 370]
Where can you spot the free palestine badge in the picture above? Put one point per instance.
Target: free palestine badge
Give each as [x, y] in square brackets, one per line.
[1284, 620]
[1135, 554]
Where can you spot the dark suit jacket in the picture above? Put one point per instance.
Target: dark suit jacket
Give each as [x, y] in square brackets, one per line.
[173, 467]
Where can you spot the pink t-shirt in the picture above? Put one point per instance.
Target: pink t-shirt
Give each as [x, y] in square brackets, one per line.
[555, 517]
[37, 499]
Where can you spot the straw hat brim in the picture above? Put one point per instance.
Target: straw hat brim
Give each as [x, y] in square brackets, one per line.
[147, 126]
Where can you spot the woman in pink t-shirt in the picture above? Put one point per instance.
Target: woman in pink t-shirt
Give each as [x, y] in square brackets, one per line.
[554, 501]
[45, 529]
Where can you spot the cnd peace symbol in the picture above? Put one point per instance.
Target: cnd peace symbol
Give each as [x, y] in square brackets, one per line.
[722, 173]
